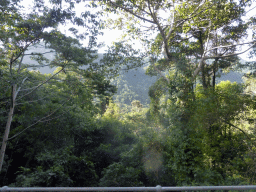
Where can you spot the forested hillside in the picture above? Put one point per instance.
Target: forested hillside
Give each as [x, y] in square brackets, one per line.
[132, 84]
[179, 112]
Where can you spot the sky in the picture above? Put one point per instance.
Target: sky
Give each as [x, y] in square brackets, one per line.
[108, 37]
[250, 12]
[114, 35]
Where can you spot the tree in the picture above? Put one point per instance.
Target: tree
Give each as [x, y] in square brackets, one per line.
[187, 43]
[20, 32]
[198, 31]
[56, 132]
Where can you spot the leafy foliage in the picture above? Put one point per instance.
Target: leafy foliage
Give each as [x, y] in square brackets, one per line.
[68, 130]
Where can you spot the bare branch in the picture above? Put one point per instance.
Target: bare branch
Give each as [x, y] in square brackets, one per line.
[40, 53]
[19, 69]
[31, 101]
[214, 57]
[134, 14]
[201, 63]
[250, 10]
[41, 84]
[55, 117]
[226, 46]
[22, 52]
[27, 89]
[40, 120]
[19, 88]
[238, 129]
[36, 66]
[233, 54]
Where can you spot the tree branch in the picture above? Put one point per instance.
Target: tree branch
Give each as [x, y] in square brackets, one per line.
[129, 11]
[31, 101]
[19, 69]
[36, 66]
[218, 47]
[233, 54]
[40, 120]
[21, 52]
[181, 21]
[202, 59]
[19, 88]
[40, 53]
[238, 129]
[41, 84]
[165, 44]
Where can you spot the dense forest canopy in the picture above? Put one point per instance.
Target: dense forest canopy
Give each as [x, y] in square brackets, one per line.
[160, 115]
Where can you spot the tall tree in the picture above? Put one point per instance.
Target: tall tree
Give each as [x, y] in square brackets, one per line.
[22, 31]
[214, 30]
[187, 43]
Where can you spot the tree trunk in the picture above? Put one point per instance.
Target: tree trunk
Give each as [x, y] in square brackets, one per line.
[215, 66]
[214, 74]
[203, 77]
[8, 126]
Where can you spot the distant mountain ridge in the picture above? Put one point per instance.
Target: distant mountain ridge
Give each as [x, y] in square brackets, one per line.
[133, 84]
